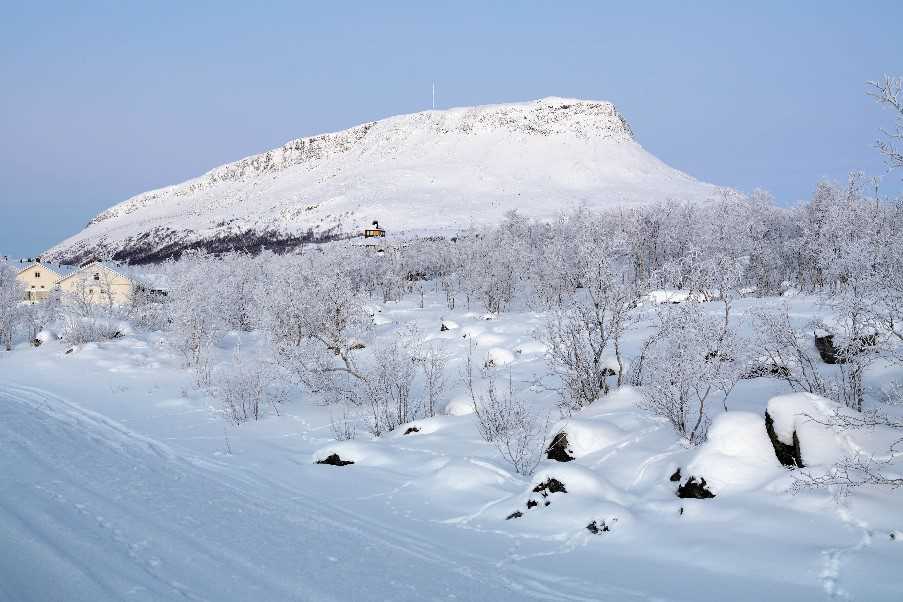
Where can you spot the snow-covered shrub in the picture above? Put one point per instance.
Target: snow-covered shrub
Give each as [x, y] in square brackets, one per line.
[239, 278]
[688, 363]
[580, 335]
[344, 426]
[789, 350]
[388, 384]
[90, 316]
[247, 388]
[148, 309]
[11, 295]
[492, 268]
[505, 421]
[317, 335]
[195, 309]
[433, 361]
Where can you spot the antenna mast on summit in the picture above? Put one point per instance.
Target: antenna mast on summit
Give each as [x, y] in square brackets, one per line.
[434, 96]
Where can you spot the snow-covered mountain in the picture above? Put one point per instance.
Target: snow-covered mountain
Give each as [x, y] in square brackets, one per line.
[434, 172]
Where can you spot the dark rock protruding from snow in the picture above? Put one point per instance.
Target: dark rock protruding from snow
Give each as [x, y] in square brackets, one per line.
[411, 430]
[515, 514]
[550, 485]
[825, 346]
[598, 527]
[766, 369]
[788, 454]
[676, 476]
[334, 460]
[559, 450]
[832, 354]
[694, 489]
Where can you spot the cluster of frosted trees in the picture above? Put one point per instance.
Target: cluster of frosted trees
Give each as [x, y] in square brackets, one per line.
[588, 272]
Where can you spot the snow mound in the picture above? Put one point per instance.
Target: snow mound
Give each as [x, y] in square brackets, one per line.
[459, 406]
[499, 357]
[566, 497]
[665, 296]
[449, 325]
[586, 436]
[737, 456]
[359, 452]
[46, 335]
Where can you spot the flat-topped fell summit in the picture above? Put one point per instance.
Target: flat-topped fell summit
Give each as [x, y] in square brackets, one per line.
[432, 172]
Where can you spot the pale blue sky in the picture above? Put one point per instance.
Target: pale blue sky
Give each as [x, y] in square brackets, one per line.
[102, 100]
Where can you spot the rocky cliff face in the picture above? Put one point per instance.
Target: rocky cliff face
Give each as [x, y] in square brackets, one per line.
[434, 172]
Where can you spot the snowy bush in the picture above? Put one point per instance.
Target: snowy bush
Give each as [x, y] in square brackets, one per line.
[11, 295]
[90, 316]
[247, 388]
[688, 363]
[505, 421]
[388, 384]
[344, 425]
[148, 309]
[789, 351]
[433, 361]
[195, 309]
[580, 334]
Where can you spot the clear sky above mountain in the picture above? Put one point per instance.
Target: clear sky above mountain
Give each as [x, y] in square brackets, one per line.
[101, 101]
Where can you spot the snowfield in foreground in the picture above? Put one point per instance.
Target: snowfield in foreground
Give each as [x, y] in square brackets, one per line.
[119, 480]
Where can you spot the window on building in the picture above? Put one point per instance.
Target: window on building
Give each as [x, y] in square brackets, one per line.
[37, 274]
[96, 276]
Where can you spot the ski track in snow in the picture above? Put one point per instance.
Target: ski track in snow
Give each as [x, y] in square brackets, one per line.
[112, 514]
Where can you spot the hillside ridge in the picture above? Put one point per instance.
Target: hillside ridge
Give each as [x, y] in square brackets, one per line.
[470, 164]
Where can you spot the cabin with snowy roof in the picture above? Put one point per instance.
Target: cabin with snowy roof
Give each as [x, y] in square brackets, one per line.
[375, 231]
[98, 282]
[40, 278]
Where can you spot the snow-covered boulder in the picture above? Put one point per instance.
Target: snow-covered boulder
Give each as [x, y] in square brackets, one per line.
[586, 436]
[353, 452]
[448, 325]
[804, 417]
[737, 455]
[497, 356]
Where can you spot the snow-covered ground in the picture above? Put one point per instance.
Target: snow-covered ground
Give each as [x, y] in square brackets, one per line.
[119, 480]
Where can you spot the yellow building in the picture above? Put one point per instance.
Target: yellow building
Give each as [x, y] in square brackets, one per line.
[97, 282]
[39, 279]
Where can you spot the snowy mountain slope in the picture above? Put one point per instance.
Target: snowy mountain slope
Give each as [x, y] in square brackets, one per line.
[434, 172]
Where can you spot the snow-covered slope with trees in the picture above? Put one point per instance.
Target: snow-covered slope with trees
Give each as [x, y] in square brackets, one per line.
[434, 172]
